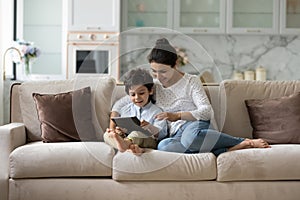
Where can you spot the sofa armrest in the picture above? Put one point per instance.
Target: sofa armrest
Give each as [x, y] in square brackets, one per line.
[11, 136]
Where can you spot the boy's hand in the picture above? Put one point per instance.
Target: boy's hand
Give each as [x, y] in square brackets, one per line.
[144, 123]
[120, 131]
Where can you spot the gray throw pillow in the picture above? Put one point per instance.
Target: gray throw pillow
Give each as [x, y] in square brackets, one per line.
[102, 87]
[276, 120]
[66, 116]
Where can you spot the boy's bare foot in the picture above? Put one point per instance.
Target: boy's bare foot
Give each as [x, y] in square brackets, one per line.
[122, 144]
[136, 150]
[125, 144]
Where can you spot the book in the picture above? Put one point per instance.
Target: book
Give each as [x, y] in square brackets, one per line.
[133, 124]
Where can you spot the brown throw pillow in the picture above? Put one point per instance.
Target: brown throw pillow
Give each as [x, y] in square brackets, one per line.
[276, 120]
[66, 117]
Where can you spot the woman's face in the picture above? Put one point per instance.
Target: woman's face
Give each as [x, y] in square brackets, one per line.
[164, 73]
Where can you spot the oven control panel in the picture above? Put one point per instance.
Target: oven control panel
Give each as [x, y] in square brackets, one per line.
[92, 37]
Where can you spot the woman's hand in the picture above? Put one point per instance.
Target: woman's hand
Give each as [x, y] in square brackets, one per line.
[168, 116]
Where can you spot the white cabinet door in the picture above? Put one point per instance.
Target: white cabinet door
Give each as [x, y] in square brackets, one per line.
[290, 17]
[253, 16]
[37, 23]
[94, 15]
[205, 16]
[153, 14]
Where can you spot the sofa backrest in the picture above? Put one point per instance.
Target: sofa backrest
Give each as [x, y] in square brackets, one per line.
[15, 109]
[227, 100]
[23, 108]
[234, 118]
[118, 92]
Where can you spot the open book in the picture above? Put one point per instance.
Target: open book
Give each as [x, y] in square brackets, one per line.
[133, 124]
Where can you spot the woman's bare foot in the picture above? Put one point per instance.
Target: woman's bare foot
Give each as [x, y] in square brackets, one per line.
[250, 143]
[243, 145]
[260, 143]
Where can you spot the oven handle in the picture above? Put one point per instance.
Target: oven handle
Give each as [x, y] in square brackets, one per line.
[93, 28]
[96, 44]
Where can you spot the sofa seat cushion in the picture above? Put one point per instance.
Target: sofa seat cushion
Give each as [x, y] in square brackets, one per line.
[156, 165]
[280, 162]
[65, 159]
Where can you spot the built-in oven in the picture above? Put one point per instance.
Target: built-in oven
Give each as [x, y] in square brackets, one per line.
[92, 53]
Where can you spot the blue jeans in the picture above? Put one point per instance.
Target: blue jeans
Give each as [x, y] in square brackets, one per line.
[195, 137]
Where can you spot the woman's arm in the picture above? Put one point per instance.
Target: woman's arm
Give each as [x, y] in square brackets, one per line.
[204, 109]
[174, 116]
[195, 97]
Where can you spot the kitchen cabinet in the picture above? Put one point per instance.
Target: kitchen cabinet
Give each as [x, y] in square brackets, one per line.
[187, 16]
[194, 16]
[145, 13]
[290, 17]
[94, 15]
[253, 17]
[203, 17]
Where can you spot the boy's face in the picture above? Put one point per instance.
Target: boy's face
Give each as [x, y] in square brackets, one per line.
[139, 95]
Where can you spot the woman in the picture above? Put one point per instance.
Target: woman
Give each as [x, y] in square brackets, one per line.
[187, 108]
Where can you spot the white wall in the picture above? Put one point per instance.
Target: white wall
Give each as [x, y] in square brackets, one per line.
[6, 37]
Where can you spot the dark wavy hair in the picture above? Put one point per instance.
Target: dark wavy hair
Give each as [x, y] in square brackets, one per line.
[138, 76]
[163, 52]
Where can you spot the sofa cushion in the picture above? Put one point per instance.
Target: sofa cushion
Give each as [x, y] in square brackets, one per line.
[233, 93]
[66, 116]
[101, 86]
[63, 159]
[160, 165]
[276, 120]
[280, 162]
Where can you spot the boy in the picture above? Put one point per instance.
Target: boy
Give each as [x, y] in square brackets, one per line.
[139, 86]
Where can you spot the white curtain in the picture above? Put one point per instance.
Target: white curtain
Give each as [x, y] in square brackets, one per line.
[6, 38]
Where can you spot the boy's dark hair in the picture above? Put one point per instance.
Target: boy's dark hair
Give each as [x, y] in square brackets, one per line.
[163, 53]
[138, 77]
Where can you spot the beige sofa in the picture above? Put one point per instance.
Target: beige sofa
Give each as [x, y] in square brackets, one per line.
[93, 170]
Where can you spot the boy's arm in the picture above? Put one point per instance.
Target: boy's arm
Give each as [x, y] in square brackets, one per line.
[118, 105]
[112, 125]
[121, 103]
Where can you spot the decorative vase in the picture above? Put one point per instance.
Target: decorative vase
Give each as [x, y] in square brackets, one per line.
[27, 66]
